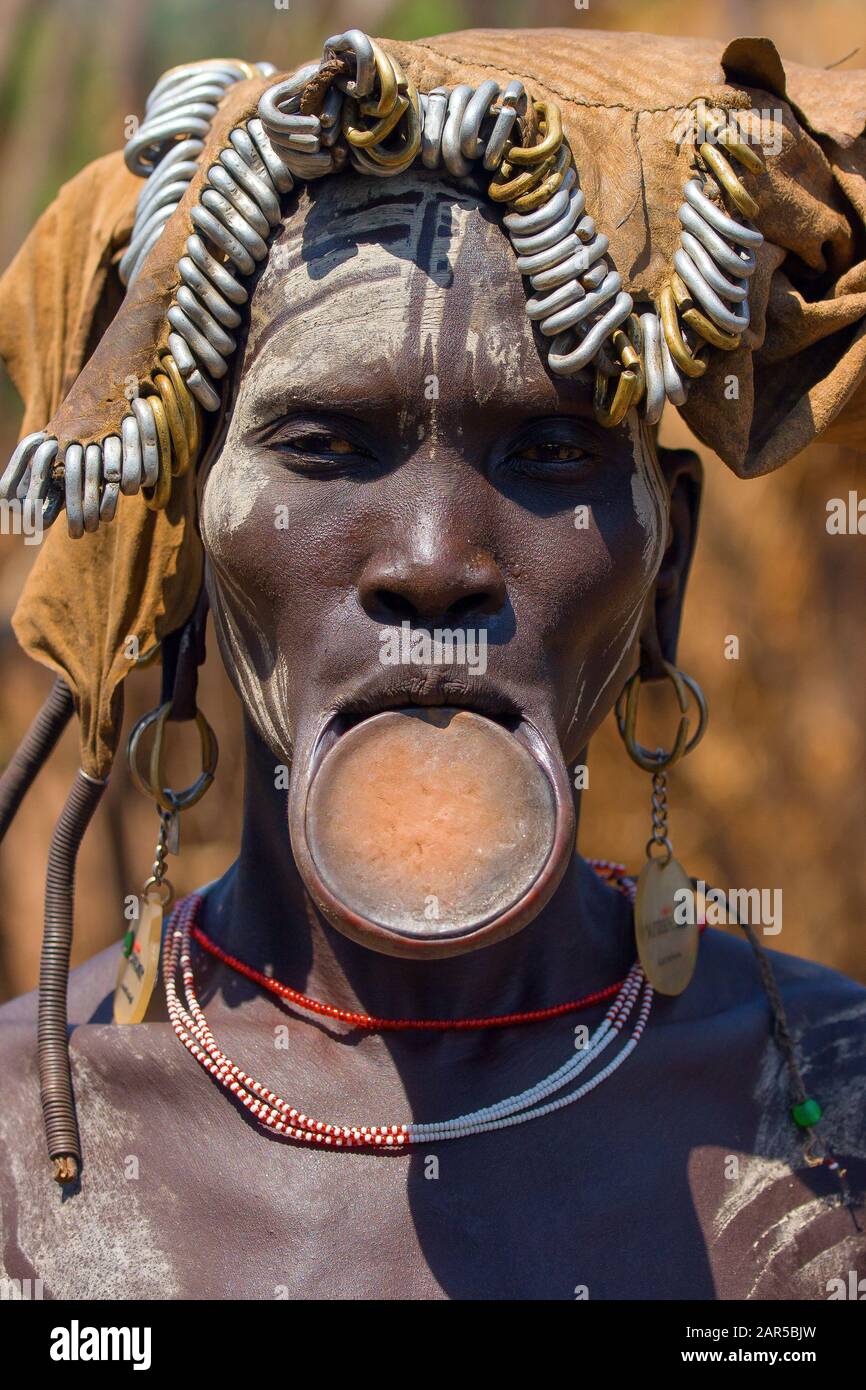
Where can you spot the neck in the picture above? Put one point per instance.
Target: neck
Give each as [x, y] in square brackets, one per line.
[261, 912]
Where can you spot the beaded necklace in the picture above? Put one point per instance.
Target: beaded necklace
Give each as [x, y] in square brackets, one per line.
[631, 1005]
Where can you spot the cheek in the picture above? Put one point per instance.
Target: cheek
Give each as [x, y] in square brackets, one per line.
[622, 554]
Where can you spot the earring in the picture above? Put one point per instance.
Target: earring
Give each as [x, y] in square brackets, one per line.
[139, 965]
[666, 928]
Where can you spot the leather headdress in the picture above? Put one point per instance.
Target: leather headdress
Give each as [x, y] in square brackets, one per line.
[74, 343]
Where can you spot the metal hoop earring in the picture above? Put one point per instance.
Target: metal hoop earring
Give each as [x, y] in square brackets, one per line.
[666, 927]
[139, 965]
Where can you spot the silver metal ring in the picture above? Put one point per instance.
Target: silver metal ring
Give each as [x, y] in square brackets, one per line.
[357, 43]
[222, 238]
[652, 364]
[218, 274]
[92, 486]
[543, 260]
[220, 341]
[149, 441]
[736, 260]
[542, 307]
[246, 208]
[513, 95]
[458, 101]
[40, 470]
[548, 236]
[477, 108]
[210, 297]
[280, 175]
[583, 308]
[735, 291]
[203, 350]
[576, 265]
[16, 468]
[525, 223]
[435, 106]
[235, 223]
[568, 363]
[729, 320]
[131, 469]
[203, 390]
[73, 486]
[720, 221]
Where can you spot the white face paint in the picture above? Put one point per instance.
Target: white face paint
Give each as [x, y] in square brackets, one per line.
[404, 304]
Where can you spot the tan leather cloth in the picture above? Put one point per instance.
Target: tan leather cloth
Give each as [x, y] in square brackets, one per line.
[799, 373]
[83, 599]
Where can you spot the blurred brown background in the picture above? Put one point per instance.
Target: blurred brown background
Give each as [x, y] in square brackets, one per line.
[776, 795]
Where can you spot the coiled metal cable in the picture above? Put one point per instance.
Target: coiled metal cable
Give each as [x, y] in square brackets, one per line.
[55, 1075]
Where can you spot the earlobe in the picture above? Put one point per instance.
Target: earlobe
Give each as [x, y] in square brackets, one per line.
[683, 473]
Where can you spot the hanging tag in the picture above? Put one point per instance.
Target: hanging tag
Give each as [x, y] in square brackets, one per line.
[139, 964]
[667, 949]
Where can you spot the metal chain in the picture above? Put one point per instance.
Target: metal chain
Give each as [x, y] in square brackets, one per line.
[659, 837]
[158, 881]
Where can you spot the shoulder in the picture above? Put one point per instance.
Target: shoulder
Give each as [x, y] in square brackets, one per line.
[89, 997]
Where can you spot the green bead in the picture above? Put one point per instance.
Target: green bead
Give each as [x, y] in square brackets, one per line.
[807, 1113]
[128, 942]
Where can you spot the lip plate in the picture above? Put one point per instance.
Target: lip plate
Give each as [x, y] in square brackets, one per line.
[391, 941]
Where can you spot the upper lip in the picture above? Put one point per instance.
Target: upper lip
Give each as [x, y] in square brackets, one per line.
[430, 689]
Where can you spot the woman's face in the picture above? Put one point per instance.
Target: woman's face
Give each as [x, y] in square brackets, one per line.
[399, 454]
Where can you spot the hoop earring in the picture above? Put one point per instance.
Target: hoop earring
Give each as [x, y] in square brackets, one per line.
[139, 966]
[666, 927]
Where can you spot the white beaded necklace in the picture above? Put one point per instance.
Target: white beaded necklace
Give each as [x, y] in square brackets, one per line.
[276, 1114]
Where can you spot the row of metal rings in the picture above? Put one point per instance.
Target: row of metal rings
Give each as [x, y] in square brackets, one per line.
[159, 440]
[167, 145]
[580, 301]
[706, 300]
[161, 437]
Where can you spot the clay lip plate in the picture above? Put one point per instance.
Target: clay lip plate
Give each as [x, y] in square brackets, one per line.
[427, 829]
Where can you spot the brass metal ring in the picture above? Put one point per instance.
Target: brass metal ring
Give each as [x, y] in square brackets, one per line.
[551, 121]
[189, 407]
[176, 425]
[692, 364]
[723, 171]
[626, 718]
[157, 496]
[383, 104]
[698, 321]
[528, 202]
[624, 397]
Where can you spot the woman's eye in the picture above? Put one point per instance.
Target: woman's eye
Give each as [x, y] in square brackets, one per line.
[548, 458]
[324, 444]
[550, 453]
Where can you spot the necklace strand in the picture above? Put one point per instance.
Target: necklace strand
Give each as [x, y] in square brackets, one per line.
[276, 1114]
[609, 872]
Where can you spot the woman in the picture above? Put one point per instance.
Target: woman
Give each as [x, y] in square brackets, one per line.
[440, 543]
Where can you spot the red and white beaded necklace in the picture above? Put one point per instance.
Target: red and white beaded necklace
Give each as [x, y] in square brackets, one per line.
[633, 997]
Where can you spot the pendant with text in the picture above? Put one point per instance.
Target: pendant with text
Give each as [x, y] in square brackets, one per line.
[139, 964]
[667, 949]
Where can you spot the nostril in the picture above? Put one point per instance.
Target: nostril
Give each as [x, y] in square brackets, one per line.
[397, 605]
[469, 606]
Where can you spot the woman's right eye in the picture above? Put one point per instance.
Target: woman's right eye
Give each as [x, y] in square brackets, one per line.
[321, 451]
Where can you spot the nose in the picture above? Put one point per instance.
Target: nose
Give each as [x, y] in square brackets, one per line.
[452, 584]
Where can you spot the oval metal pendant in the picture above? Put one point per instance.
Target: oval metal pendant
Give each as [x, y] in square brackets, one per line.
[139, 969]
[667, 949]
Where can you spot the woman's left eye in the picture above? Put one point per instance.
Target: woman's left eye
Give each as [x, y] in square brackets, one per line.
[550, 458]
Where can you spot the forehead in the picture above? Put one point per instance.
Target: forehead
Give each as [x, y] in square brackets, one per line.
[373, 287]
